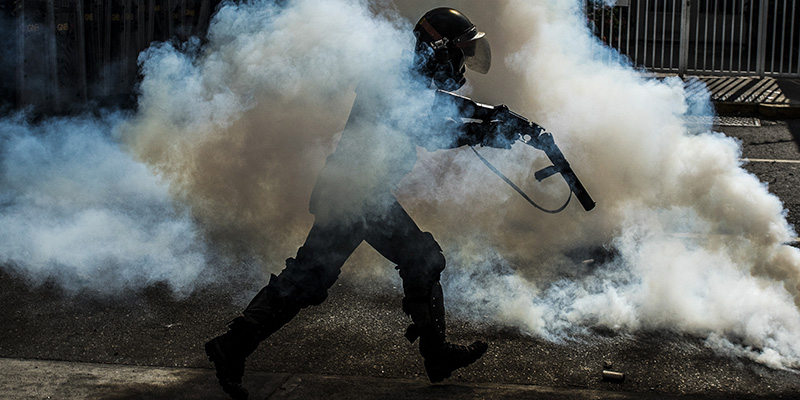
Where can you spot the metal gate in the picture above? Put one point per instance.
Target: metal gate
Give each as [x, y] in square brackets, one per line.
[59, 54]
[708, 37]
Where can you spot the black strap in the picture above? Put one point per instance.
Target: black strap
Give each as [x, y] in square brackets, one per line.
[515, 187]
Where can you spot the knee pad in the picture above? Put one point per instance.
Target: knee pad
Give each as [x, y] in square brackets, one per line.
[422, 269]
[424, 260]
[431, 252]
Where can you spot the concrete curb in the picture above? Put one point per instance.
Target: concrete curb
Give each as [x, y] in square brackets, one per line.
[765, 110]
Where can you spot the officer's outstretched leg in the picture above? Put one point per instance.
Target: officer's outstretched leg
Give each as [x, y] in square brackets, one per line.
[228, 353]
[441, 356]
[420, 262]
[273, 307]
[305, 281]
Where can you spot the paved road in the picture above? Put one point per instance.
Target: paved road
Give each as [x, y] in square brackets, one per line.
[774, 140]
[149, 345]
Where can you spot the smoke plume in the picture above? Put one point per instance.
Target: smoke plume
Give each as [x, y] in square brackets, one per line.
[77, 209]
[229, 137]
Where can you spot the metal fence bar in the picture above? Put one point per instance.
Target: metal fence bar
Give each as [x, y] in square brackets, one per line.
[21, 43]
[722, 34]
[662, 33]
[646, 20]
[628, 31]
[672, 37]
[724, 22]
[774, 37]
[715, 37]
[798, 52]
[783, 39]
[673, 29]
[52, 65]
[636, 36]
[696, 38]
[762, 39]
[654, 48]
[741, 30]
[791, 36]
[683, 58]
[81, 43]
[705, 35]
[750, 36]
[65, 52]
[602, 22]
[619, 30]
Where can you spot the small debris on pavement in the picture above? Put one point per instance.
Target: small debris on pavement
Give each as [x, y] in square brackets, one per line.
[613, 376]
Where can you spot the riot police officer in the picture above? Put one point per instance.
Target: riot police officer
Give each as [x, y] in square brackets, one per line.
[350, 209]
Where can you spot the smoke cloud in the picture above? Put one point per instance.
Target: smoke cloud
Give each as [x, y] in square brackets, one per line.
[699, 242]
[77, 209]
[220, 158]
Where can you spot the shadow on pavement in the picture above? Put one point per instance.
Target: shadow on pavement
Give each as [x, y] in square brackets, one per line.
[307, 387]
[195, 388]
[794, 129]
[790, 89]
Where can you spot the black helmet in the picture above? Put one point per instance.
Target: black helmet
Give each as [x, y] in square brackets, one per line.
[446, 42]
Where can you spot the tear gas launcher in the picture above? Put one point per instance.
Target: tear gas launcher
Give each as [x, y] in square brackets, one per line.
[497, 126]
[534, 135]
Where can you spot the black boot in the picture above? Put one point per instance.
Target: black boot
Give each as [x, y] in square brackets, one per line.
[441, 357]
[266, 313]
[228, 353]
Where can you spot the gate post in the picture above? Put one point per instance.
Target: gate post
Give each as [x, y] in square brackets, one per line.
[83, 89]
[20, 68]
[761, 53]
[53, 101]
[683, 58]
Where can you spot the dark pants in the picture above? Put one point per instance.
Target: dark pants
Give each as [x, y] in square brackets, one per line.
[307, 277]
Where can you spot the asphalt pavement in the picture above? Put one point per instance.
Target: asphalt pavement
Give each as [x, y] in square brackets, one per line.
[148, 345]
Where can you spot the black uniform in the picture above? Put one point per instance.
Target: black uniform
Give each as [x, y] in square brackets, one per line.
[353, 202]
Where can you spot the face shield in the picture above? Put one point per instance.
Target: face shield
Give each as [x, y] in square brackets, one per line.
[477, 53]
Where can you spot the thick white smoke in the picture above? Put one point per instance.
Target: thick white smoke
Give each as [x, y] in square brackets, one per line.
[240, 128]
[699, 241]
[76, 208]
[243, 127]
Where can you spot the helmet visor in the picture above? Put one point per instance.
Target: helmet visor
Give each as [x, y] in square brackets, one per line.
[478, 54]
